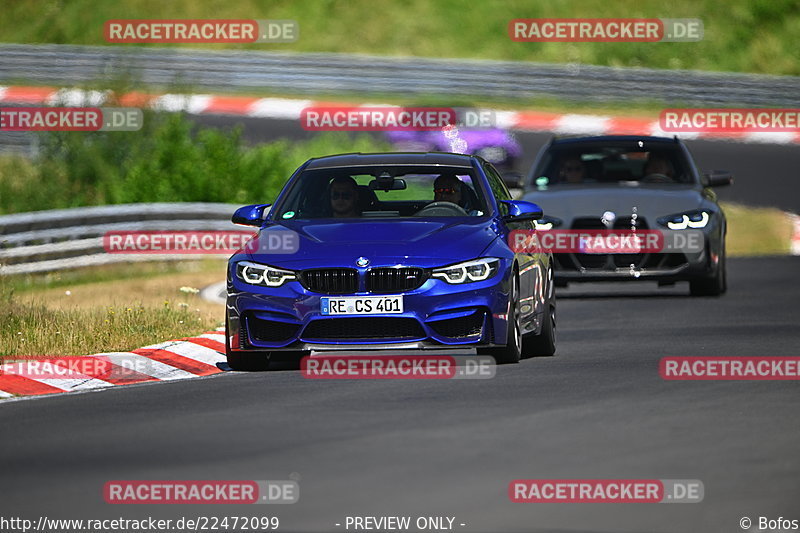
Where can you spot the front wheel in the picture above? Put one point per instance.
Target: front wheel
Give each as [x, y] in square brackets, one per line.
[543, 344]
[713, 285]
[512, 351]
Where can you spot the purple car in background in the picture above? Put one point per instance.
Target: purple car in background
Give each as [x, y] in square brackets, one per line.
[495, 145]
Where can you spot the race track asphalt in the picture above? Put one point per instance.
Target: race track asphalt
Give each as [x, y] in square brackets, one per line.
[598, 409]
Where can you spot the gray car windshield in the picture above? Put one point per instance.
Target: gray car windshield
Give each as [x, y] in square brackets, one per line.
[383, 192]
[582, 166]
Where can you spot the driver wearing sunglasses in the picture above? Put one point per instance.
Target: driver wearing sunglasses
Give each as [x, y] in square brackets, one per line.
[447, 188]
[344, 197]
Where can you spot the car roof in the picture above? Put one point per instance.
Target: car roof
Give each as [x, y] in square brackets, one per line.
[392, 159]
[614, 139]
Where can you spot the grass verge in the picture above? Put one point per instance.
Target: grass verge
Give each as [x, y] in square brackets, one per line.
[739, 35]
[83, 317]
[170, 160]
[756, 230]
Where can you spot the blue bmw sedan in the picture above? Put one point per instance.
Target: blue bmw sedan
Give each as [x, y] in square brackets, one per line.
[389, 252]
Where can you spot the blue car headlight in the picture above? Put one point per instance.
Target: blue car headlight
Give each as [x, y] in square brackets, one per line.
[469, 271]
[692, 219]
[263, 275]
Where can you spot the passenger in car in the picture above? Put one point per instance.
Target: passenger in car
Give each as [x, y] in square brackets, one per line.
[572, 170]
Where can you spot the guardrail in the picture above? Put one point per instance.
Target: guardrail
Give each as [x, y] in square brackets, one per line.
[47, 241]
[365, 74]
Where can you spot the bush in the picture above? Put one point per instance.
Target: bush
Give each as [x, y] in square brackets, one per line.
[170, 159]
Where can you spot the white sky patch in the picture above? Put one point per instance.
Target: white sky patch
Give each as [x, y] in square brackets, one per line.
[771, 137]
[506, 119]
[77, 97]
[278, 108]
[585, 124]
[658, 132]
[194, 104]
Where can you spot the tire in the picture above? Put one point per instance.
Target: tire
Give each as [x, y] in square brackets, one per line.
[248, 361]
[244, 361]
[714, 285]
[543, 344]
[512, 352]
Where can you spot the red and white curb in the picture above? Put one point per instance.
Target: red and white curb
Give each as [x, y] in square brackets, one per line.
[795, 250]
[178, 359]
[289, 109]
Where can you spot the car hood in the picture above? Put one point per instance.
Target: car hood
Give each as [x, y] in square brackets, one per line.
[567, 202]
[425, 242]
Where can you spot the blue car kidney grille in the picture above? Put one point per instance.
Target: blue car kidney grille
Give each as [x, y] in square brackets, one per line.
[330, 280]
[395, 279]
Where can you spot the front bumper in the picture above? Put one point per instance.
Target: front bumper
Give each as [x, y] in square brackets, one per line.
[664, 267]
[436, 316]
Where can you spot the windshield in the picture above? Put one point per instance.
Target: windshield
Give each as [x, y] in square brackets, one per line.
[591, 165]
[383, 192]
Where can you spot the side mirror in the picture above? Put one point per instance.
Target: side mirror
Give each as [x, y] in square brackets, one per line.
[522, 211]
[717, 178]
[513, 180]
[250, 215]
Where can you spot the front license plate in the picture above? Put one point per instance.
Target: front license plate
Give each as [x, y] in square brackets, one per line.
[361, 305]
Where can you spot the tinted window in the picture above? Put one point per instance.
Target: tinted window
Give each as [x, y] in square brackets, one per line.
[379, 192]
[603, 164]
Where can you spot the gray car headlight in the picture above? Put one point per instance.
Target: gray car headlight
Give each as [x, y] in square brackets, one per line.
[692, 219]
[263, 275]
[469, 271]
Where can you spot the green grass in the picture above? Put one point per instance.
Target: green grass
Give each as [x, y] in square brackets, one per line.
[170, 160]
[70, 278]
[33, 329]
[757, 36]
[756, 231]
